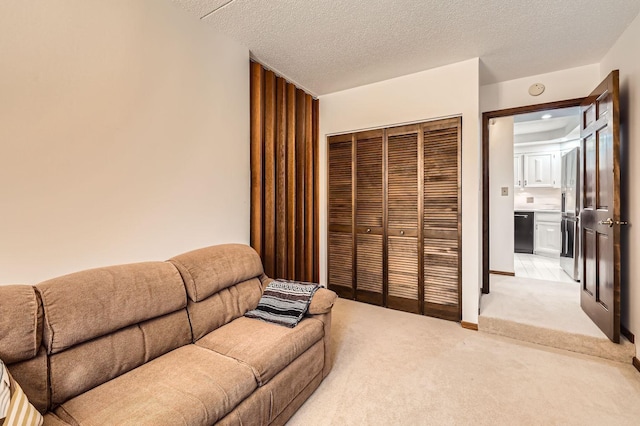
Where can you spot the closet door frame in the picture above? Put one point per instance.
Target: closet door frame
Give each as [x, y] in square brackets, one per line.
[444, 313]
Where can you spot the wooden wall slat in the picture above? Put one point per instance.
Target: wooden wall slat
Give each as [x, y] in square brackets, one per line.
[300, 181]
[291, 182]
[281, 178]
[316, 191]
[308, 190]
[270, 174]
[284, 175]
[257, 166]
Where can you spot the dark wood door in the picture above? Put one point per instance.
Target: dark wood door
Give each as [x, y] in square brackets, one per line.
[600, 212]
[403, 190]
[369, 217]
[340, 238]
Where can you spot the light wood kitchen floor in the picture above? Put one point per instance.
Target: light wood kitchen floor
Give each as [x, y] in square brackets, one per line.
[539, 267]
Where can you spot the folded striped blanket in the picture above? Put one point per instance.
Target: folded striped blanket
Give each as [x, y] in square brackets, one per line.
[284, 302]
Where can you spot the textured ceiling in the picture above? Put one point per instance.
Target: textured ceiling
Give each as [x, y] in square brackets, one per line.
[331, 45]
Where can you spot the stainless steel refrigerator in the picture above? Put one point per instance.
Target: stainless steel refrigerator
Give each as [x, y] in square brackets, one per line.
[570, 207]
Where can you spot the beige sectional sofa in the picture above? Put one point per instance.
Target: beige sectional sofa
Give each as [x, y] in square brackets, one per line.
[162, 343]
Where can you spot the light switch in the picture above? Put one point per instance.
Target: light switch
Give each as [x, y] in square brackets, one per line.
[505, 191]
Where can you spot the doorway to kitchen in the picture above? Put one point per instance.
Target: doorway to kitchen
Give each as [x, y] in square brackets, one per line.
[531, 205]
[545, 146]
[532, 267]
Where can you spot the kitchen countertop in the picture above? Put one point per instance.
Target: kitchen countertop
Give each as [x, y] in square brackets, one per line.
[538, 210]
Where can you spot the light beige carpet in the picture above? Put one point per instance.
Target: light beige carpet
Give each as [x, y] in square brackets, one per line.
[547, 313]
[395, 368]
[546, 304]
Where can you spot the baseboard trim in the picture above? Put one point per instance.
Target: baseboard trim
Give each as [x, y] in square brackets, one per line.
[636, 363]
[469, 325]
[508, 274]
[626, 333]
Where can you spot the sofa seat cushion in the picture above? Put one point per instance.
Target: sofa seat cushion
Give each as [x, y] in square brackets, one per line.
[266, 348]
[187, 386]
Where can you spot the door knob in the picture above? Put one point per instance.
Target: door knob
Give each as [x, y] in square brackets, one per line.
[368, 229]
[609, 222]
[612, 222]
[401, 232]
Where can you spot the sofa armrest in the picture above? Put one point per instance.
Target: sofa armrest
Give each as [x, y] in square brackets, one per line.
[322, 302]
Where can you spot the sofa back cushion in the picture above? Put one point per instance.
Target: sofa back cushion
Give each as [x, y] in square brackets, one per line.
[89, 304]
[20, 341]
[101, 323]
[208, 270]
[223, 307]
[20, 323]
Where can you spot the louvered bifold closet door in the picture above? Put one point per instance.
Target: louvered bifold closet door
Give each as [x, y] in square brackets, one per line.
[369, 220]
[340, 239]
[442, 183]
[403, 187]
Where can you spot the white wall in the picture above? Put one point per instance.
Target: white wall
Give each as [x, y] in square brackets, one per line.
[624, 56]
[559, 85]
[501, 238]
[440, 92]
[124, 130]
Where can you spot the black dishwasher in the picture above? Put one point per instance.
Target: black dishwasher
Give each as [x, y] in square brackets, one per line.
[523, 232]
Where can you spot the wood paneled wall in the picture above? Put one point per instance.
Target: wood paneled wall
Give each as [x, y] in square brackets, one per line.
[284, 177]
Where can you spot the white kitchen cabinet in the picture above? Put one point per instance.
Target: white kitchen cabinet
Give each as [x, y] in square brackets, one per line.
[542, 169]
[538, 170]
[518, 175]
[556, 169]
[547, 236]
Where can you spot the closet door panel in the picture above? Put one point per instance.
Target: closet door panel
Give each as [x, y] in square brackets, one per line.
[369, 180]
[402, 189]
[403, 219]
[369, 217]
[340, 200]
[341, 263]
[369, 269]
[403, 274]
[340, 181]
[442, 265]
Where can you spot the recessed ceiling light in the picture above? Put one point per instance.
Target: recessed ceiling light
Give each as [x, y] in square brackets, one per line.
[546, 116]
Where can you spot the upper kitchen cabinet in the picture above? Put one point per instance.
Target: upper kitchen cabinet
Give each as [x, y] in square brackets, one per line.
[556, 169]
[518, 174]
[539, 139]
[538, 170]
